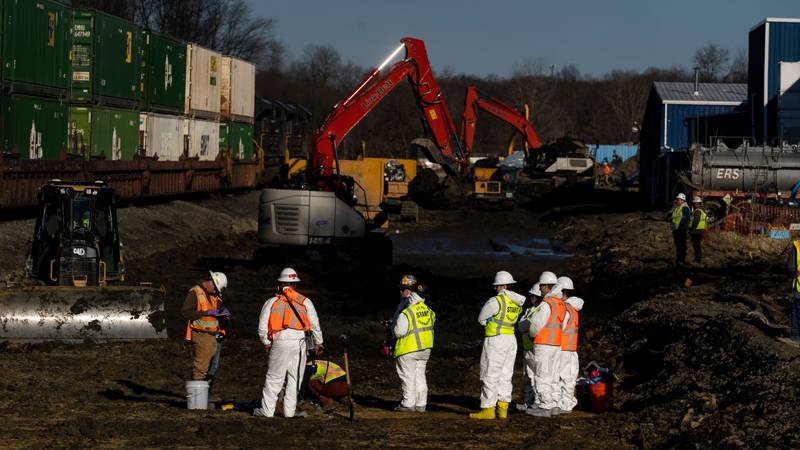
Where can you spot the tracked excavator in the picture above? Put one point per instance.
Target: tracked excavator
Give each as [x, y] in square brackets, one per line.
[321, 211]
[495, 183]
[76, 269]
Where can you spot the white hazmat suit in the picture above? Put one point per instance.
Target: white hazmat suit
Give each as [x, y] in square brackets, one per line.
[568, 367]
[287, 360]
[497, 358]
[544, 362]
[411, 367]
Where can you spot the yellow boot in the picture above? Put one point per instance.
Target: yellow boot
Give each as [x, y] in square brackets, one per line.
[485, 413]
[502, 410]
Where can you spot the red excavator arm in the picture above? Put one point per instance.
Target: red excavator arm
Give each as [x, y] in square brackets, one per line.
[375, 87]
[473, 101]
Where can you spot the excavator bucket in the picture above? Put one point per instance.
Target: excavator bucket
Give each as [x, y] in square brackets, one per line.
[71, 314]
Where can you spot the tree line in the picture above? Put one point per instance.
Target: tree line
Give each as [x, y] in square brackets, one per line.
[563, 102]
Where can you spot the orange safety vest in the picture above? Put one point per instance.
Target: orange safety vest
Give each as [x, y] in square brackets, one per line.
[551, 333]
[281, 315]
[569, 335]
[205, 302]
[796, 281]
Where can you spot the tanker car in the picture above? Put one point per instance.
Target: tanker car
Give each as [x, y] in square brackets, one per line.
[724, 176]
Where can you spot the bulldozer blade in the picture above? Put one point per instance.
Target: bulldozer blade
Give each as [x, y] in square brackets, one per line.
[71, 314]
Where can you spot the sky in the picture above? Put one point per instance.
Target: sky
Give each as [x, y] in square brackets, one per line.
[488, 37]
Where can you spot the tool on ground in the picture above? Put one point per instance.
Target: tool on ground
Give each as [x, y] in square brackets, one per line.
[77, 267]
[350, 408]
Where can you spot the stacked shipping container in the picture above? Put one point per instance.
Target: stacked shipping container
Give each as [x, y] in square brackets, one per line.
[88, 84]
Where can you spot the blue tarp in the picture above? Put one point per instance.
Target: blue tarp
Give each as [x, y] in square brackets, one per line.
[605, 151]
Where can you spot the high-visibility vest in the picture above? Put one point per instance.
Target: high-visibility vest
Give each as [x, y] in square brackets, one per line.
[701, 223]
[327, 371]
[527, 342]
[551, 333]
[569, 334]
[420, 332]
[677, 215]
[209, 324]
[281, 315]
[503, 322]
[796, 282]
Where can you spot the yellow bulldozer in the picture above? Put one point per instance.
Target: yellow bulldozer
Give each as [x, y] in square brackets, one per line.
[75, 272]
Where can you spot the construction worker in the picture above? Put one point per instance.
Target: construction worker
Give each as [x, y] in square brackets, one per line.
[324, 382]
[564, 287]
[202, 308]
[568, 364]
[544, 327]
[680, 222]
[413, 334]
[527, 344]
[697, 227]
[288, 326]
[498, 316]
[793, 266]
[606, 173]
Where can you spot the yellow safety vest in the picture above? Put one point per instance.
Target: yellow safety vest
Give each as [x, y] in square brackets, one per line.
[701, 224]
[796, 282]
[420, 335]
[503, 322]
[677, 215]
[327, 371]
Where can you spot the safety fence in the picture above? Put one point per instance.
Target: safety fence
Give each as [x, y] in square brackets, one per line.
[759, 219]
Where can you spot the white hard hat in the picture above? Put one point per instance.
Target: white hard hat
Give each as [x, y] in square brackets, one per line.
[681, 196]
[535, 290]
[548, 277]
[219, 279]
[565, 283]
[503, 277]
[697, 199]
[288, 275]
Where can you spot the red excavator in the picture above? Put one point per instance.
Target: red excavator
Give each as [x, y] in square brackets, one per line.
[321, 211]
[493, 183]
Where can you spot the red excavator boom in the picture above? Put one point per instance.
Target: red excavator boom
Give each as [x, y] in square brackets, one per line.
[376, 86]
[474, 101]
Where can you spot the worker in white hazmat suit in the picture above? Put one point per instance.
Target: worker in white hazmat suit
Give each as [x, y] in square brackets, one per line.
[498, 317]
[568, 364]
[287, 326]
[544, 327]
[413, 333]
[527, 344]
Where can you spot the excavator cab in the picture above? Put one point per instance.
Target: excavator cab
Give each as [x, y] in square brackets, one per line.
[76, 239]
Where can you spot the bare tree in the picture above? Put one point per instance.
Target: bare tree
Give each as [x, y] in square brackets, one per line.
[712, 61]
[738, 70]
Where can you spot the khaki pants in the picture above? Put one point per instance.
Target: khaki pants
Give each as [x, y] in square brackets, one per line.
[205, 345]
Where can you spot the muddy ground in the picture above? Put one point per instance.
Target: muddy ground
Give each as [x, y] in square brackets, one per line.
[697, 367]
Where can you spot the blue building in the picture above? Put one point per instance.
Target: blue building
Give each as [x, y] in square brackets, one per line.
[678, 115]
[773, 88]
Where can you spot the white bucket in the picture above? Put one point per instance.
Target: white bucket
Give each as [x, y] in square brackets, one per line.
[197, 394]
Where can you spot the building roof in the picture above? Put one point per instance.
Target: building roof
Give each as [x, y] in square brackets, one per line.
[709, 93]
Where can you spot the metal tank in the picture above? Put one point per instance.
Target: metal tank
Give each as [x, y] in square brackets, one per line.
[747, 169]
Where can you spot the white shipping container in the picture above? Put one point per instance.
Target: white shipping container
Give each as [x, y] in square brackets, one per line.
[203, 137]
[202, 82]
[162, 136]
[237, 90]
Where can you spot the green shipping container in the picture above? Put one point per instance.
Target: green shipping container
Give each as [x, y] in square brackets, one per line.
[36, 128]
[35, 46]
[166, 73]
[104, 133]
[106, 60]
[238, 138]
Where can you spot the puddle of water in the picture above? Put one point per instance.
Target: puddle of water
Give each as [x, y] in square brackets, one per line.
[440, 245]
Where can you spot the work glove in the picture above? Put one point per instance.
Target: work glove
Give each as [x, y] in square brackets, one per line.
[225, 312]
[318, 349]
[212, 312]
[386, 350]
[267, 347]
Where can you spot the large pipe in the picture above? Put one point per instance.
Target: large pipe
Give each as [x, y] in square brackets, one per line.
[752, 169]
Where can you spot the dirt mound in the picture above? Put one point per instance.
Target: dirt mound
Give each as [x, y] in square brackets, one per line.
[697, 350]
[430, 192]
